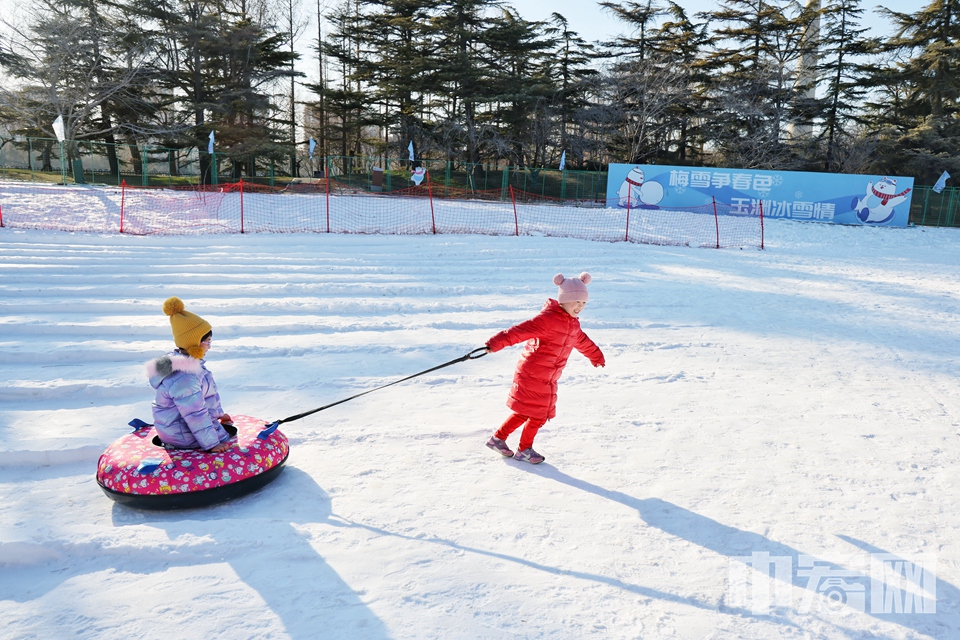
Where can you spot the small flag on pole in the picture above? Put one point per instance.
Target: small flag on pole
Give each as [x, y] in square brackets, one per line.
[410, 148]
[941, 183]
[563, 160]
[58, 128]
[210, 144]
[313, 145]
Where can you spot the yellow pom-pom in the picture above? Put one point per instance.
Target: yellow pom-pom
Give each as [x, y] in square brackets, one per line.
[196, 352]
[172, 306]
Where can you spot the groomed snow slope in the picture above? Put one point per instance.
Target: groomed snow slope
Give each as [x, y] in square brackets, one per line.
[799, 401]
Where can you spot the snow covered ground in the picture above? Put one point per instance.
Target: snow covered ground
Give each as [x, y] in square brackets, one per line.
[800, 402]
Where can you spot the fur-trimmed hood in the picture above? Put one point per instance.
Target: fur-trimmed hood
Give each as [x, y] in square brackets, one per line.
[160, 368]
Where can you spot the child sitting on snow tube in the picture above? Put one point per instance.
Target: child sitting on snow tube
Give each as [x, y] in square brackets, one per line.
[186, 411]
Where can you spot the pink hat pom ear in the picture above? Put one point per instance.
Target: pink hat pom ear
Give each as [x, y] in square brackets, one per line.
[585, 278]
[558, 279]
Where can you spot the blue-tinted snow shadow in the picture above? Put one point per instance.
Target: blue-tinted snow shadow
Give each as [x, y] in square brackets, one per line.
[738, 544]
[879, 313]
[640, 590]
[256, 535]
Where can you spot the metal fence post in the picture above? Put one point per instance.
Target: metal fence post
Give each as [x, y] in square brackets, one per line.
[63, 165]
[940, 212]
[926, 201]
[123, 201]
[433, 217]
[326, 176]
[716, 221]
[952, 209]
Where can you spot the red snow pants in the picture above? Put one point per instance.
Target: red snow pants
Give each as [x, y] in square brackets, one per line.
[527, 435]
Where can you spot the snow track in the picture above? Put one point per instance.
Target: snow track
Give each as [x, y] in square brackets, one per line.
[801, 401]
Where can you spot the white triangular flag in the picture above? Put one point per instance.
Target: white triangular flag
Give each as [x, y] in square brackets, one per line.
[941, 183]
[410, 148]
[58, 128]
[210, 144]
[563, 160]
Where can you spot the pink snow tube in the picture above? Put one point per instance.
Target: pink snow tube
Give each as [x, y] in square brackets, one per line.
[138, 471]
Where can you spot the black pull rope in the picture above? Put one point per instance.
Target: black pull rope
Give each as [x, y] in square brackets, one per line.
[271, 427]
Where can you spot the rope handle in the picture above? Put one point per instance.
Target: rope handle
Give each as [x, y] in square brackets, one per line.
[270, 427]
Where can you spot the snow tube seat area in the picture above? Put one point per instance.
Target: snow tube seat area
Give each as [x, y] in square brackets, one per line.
[138, 471]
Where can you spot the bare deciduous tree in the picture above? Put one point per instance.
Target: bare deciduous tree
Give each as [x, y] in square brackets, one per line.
[68, 62]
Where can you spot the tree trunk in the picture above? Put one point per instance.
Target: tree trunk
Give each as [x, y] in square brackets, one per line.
[136, 158]
[45, 157]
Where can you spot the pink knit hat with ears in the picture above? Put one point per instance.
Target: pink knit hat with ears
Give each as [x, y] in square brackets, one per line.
[572, 289]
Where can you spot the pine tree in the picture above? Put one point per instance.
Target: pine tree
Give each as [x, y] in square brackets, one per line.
[464, 73]
[522, 111]
[347, 107]
[682, 42]
[641, 17]
[250, 65]
[218, 67]
[571, 67]
[398, 40]
[642, 89]
[842, 48]
[753, 68]
[293, 26]
[915, 112]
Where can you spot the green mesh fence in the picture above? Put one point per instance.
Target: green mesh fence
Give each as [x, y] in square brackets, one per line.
[448, 178]
[80, 161]
[47, 160]
[929, 208]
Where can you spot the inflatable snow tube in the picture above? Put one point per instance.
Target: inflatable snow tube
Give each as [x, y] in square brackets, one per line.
[138, 471]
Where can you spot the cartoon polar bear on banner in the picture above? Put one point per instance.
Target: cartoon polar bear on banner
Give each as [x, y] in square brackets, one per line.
[876, 206]
[635, 192]
[418, 175]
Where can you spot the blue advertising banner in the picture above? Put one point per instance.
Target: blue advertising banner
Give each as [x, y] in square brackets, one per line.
[797, 195]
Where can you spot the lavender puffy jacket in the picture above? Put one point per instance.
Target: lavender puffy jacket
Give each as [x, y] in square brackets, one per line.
[187, 405]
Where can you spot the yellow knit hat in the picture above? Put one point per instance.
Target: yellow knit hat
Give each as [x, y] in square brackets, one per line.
[188, 328]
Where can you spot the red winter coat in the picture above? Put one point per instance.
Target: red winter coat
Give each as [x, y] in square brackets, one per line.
[552, 335]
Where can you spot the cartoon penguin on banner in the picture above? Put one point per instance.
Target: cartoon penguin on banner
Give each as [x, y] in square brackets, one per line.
[634, 192]
[876, 206]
